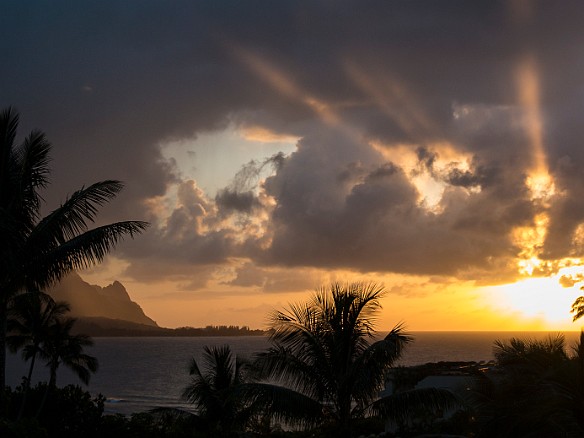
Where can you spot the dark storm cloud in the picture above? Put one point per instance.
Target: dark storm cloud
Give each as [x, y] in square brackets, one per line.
[376, 222]
[110, 81]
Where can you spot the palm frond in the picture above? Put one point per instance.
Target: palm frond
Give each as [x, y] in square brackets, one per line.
[8, 128]
[30, 316]
[531, 355]
[33, 160]
[578, 308]
[283, 404]
[401, 406]
[281, 365]
[371, 367]
[220, 366]
[81, 252]
[9, 119]
[72, 218]
[201, 390]
[193, 368]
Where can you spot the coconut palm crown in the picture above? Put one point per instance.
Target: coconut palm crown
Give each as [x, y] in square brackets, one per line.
[327, 353]
[38, 251]
[217, 390]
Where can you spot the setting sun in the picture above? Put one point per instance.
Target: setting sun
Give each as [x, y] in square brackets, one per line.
[536, 299]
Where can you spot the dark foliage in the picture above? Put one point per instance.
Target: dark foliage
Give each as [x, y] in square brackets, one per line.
[38, 251]
[536, 390]
[69, 412]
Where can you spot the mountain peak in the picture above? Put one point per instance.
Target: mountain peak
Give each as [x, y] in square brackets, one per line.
[115, 291]
[86, 300]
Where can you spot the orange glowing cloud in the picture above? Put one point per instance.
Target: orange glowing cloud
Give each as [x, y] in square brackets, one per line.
[263, 135]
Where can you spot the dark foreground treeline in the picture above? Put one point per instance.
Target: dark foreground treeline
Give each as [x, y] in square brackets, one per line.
[325, 376]
[534, 388]
[104, 327]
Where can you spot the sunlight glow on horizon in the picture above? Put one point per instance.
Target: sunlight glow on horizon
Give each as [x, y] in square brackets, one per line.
[536, 298]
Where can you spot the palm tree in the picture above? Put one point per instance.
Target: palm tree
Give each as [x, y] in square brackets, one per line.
[325, 354]
[216, 391]
[38, 251]
[30, 317]
[61, 347]
[536, 390]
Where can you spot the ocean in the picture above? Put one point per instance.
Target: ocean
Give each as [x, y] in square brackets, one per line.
[137, 374]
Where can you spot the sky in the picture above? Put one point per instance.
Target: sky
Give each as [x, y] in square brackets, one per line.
[276, 147]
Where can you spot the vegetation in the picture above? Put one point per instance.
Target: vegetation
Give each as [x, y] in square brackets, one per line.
[578, 308]
[217, 330]
[329, 364]
[30, 317]
[69, 412]
[545, 371]
[98, 326]
[323, 373]
[217, 391]
[61, 347]
[38, 326]
[37, 251]
[319, 351]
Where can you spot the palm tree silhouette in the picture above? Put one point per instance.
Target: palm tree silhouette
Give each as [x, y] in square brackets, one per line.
[30, 317]
[537, 390]
[38, 251]
[216, 390]
[61, 347]
[326, 356]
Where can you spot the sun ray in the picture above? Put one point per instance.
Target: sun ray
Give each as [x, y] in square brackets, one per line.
[284, 84]
[396, 101]
[529, 97]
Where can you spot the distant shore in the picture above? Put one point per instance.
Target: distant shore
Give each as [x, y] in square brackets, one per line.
[105, 327]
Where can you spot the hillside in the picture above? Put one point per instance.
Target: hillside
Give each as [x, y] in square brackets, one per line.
[109, 311]
[112, 302]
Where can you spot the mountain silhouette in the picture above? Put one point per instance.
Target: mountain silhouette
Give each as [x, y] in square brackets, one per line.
[87, 300]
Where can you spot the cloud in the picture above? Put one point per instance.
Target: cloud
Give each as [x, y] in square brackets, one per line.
[277, 280]
[570, 280]
[228, 201]
[332, 213]
[360, 88]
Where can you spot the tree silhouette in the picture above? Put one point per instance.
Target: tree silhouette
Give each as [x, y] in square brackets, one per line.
[216, 390]
[578, 308]
[61, 347]
[536, 390]
[31, 316]
[38, 251]
[326, 356]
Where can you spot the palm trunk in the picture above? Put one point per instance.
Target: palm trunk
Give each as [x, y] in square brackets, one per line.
[344, 412]
[52, 384]
[26, 386]
[3, 330]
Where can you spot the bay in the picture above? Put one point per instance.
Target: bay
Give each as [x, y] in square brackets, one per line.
[137, 374]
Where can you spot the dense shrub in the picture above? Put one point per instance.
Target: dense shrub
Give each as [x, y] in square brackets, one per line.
[67, 412]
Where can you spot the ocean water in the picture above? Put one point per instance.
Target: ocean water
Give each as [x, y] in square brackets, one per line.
[137, 374]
